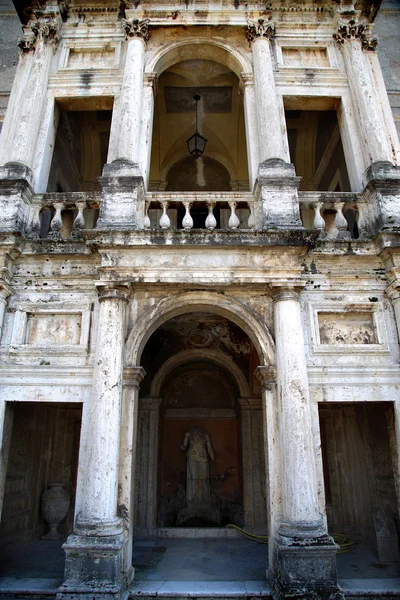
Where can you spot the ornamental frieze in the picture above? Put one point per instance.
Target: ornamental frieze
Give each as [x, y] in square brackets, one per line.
[260, 29]
[137, 28]
[355, 30]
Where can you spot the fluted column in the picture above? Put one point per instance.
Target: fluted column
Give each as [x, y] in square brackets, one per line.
[94, 552]
[302, 530]
[277, 204]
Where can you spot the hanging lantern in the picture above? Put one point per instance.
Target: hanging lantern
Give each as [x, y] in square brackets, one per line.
[196, 143]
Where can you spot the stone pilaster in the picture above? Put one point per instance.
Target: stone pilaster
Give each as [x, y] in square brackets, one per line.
[304, 553]
[381, 177]
[277, 184]
[95, 550]
[148, 96]
[250, 116]
[147, 466]
[254, 492]
[127, 460]
[122, 179]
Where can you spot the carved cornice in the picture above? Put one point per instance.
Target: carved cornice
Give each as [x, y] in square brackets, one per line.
[46, 31]
[353, 29]
[260, 29]
[137, 28]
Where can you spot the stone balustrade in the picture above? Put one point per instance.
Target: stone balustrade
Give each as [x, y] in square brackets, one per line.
[199, 210]
[59, 215]
[336, 215]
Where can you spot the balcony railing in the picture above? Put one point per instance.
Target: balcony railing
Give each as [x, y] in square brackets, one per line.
[191, 210]
[60, 215]
[335, 215]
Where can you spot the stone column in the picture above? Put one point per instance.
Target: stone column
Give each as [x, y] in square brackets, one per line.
[146, 132]
[381, 177]
[127, 459]
[94, 552]
[254, 501]
[147, 466]
[304, 553]
[122, 181]
[252, 134]
[20, 132]
[277, 184]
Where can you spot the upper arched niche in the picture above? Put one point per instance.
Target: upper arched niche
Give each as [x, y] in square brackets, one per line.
[205, 302]
[206, 71]
[198, 49]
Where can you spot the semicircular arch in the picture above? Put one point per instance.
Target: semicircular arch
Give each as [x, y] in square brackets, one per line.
[201, 49]
[210, 302]
[212, 356]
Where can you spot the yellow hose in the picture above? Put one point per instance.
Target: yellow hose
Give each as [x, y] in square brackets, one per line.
[345, 544]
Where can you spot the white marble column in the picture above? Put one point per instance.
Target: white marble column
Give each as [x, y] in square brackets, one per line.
[353, 39]
[273, 141]
[127, 458]
[126, 143]
[21, 130]
[99, 501]
[298, 473]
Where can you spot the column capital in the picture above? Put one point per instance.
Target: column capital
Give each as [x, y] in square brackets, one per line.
[287, 291]
[46, 30]
[250, 403]
[262, 28]
[133, 376]
[112, 291]
[352, 29]
[266, 375]
[247, 79]
[136, 29]
[150, 80]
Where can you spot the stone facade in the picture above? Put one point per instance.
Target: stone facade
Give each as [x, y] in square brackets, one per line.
[253, 292]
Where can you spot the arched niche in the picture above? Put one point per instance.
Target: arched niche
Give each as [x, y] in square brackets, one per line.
[199, 375]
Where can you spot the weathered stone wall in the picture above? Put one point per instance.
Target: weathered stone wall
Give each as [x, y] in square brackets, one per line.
[10, 30]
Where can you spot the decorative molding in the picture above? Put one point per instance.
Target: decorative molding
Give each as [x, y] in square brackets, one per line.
[46, 31]
[260, 29]
[137, 28]
[353, 29]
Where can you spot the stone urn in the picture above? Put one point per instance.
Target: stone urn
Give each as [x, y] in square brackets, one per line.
[55, 504]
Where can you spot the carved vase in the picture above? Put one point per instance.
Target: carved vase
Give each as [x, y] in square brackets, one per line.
[55, 504]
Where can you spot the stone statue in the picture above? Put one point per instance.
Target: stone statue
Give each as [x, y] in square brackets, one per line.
[197, 471]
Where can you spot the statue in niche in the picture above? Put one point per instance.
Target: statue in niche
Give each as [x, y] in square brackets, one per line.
[198, 445]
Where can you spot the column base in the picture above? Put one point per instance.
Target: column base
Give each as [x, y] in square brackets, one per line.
[122, 205]
[15, 196]
[94, 568]
[305, 567]
[277, 205]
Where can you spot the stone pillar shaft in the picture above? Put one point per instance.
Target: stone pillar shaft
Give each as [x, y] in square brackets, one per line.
[146, 127]
[270, 116]
[127, 144]
[370, 121]
[252, 135]
[99, 501]
[299, 491]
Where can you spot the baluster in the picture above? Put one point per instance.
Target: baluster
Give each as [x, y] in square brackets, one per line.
[251, 220]
[165, 221]
[35, 221]
[319, 221]
[187, 221]
[233, 222]
[341, 222]
[146, 222]
[211, 221]
[79, 221]
[57, 222]
[361, 220]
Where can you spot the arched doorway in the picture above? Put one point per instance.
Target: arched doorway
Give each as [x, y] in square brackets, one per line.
[200, 378]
